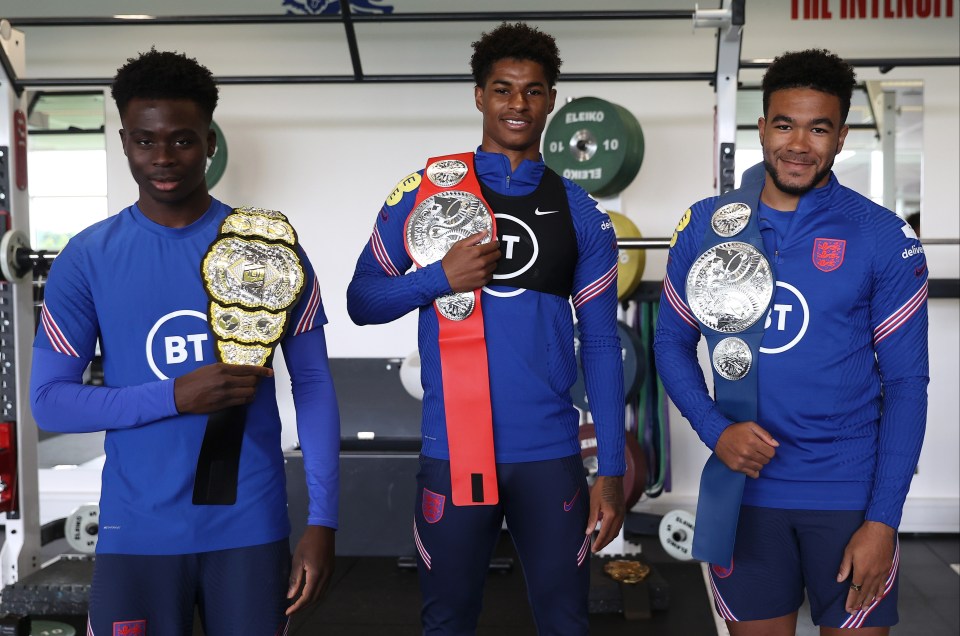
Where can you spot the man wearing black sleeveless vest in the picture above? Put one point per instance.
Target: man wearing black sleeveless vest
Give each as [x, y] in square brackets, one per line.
[496, 344]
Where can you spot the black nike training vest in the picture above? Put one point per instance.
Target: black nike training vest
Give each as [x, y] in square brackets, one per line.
[538, 245]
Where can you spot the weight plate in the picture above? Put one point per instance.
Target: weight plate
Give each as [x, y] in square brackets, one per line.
[631, 262]
[51, 628]
[81, 528]
[676, 534]
[588, 451]
[635, 477]
[217, 164]
[634, 366]
[11, 270]
[635, 158]
[410, 375]
[597, 144]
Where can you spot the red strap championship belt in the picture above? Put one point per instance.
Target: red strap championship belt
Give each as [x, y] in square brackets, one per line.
[449, 208]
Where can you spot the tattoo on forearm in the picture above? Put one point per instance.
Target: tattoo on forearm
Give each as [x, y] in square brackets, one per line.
[609, 492]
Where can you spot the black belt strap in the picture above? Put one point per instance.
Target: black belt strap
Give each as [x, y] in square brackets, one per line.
[218, 465]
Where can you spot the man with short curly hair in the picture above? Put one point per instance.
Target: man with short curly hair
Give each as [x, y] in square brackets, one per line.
[496, 343]
[177, 531]
[819, 392]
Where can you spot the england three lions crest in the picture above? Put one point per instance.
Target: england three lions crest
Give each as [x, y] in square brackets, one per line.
[828, 253]
[432, 506]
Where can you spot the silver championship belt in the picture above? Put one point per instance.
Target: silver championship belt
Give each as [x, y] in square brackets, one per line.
[436, 224]
[253, 277]
[729, 287]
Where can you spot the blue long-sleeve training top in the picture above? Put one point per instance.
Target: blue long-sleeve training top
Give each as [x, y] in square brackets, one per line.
[529, 334]
[135, 286]
[843, 365]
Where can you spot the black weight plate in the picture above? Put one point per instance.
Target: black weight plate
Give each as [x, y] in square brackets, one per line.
[634, 367]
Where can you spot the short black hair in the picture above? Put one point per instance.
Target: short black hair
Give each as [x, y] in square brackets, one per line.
[517, 41]
[165, 75]
[818, 69]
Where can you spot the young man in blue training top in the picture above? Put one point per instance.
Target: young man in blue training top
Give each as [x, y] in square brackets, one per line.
[842, 373]
[134, 284]
[551, 243]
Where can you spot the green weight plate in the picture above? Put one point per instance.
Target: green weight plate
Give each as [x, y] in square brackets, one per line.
[634, 159]
[50, 628]
[217, 164]
[597, 144]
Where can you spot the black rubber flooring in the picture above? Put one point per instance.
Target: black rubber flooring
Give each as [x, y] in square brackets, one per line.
[373, 596]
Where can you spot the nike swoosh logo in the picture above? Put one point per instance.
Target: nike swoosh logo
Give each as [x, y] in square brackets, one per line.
[540, 212]
[568, 506]
[918, 271]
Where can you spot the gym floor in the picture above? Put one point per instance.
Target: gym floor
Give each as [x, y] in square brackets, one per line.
[374, 595]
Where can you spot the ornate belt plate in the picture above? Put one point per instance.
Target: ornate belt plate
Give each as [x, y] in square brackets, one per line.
[729, 287]
[253, 277]
[732, 358]
[435, 225]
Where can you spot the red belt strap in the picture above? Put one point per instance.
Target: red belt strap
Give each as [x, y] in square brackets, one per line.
[466, 380]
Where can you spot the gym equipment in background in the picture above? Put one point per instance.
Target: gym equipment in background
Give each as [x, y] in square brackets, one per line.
[597, 144]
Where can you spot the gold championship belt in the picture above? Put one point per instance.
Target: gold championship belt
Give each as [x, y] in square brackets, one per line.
[253, 277]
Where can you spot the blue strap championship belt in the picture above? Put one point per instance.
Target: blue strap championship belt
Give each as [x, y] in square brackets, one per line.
[729, 289]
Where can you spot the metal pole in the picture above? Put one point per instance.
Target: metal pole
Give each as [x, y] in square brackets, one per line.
[20, 554]
[53, 82]
[888, 146]
[471, 16]
[728, 20]
[885, 64]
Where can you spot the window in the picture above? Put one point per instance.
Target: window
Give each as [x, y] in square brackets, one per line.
[66, 164]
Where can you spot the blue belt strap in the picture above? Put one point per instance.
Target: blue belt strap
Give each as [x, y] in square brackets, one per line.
[721, 489]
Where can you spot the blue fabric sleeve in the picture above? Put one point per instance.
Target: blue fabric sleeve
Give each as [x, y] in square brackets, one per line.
[380, 291]
[677, 334]
[899, 313]
[595, 300]
[62, 403]
[318, 422]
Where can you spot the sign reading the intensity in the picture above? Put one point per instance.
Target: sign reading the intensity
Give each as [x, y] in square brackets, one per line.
[870, 9]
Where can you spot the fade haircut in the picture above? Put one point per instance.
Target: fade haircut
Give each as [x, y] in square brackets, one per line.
[165, 75]
[818, 69]
[516, 41]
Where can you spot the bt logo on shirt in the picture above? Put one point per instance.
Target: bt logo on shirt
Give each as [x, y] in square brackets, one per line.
[178, 343]
[787, 320]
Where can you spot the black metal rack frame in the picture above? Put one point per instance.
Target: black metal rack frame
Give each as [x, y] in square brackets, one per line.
[349, 20]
